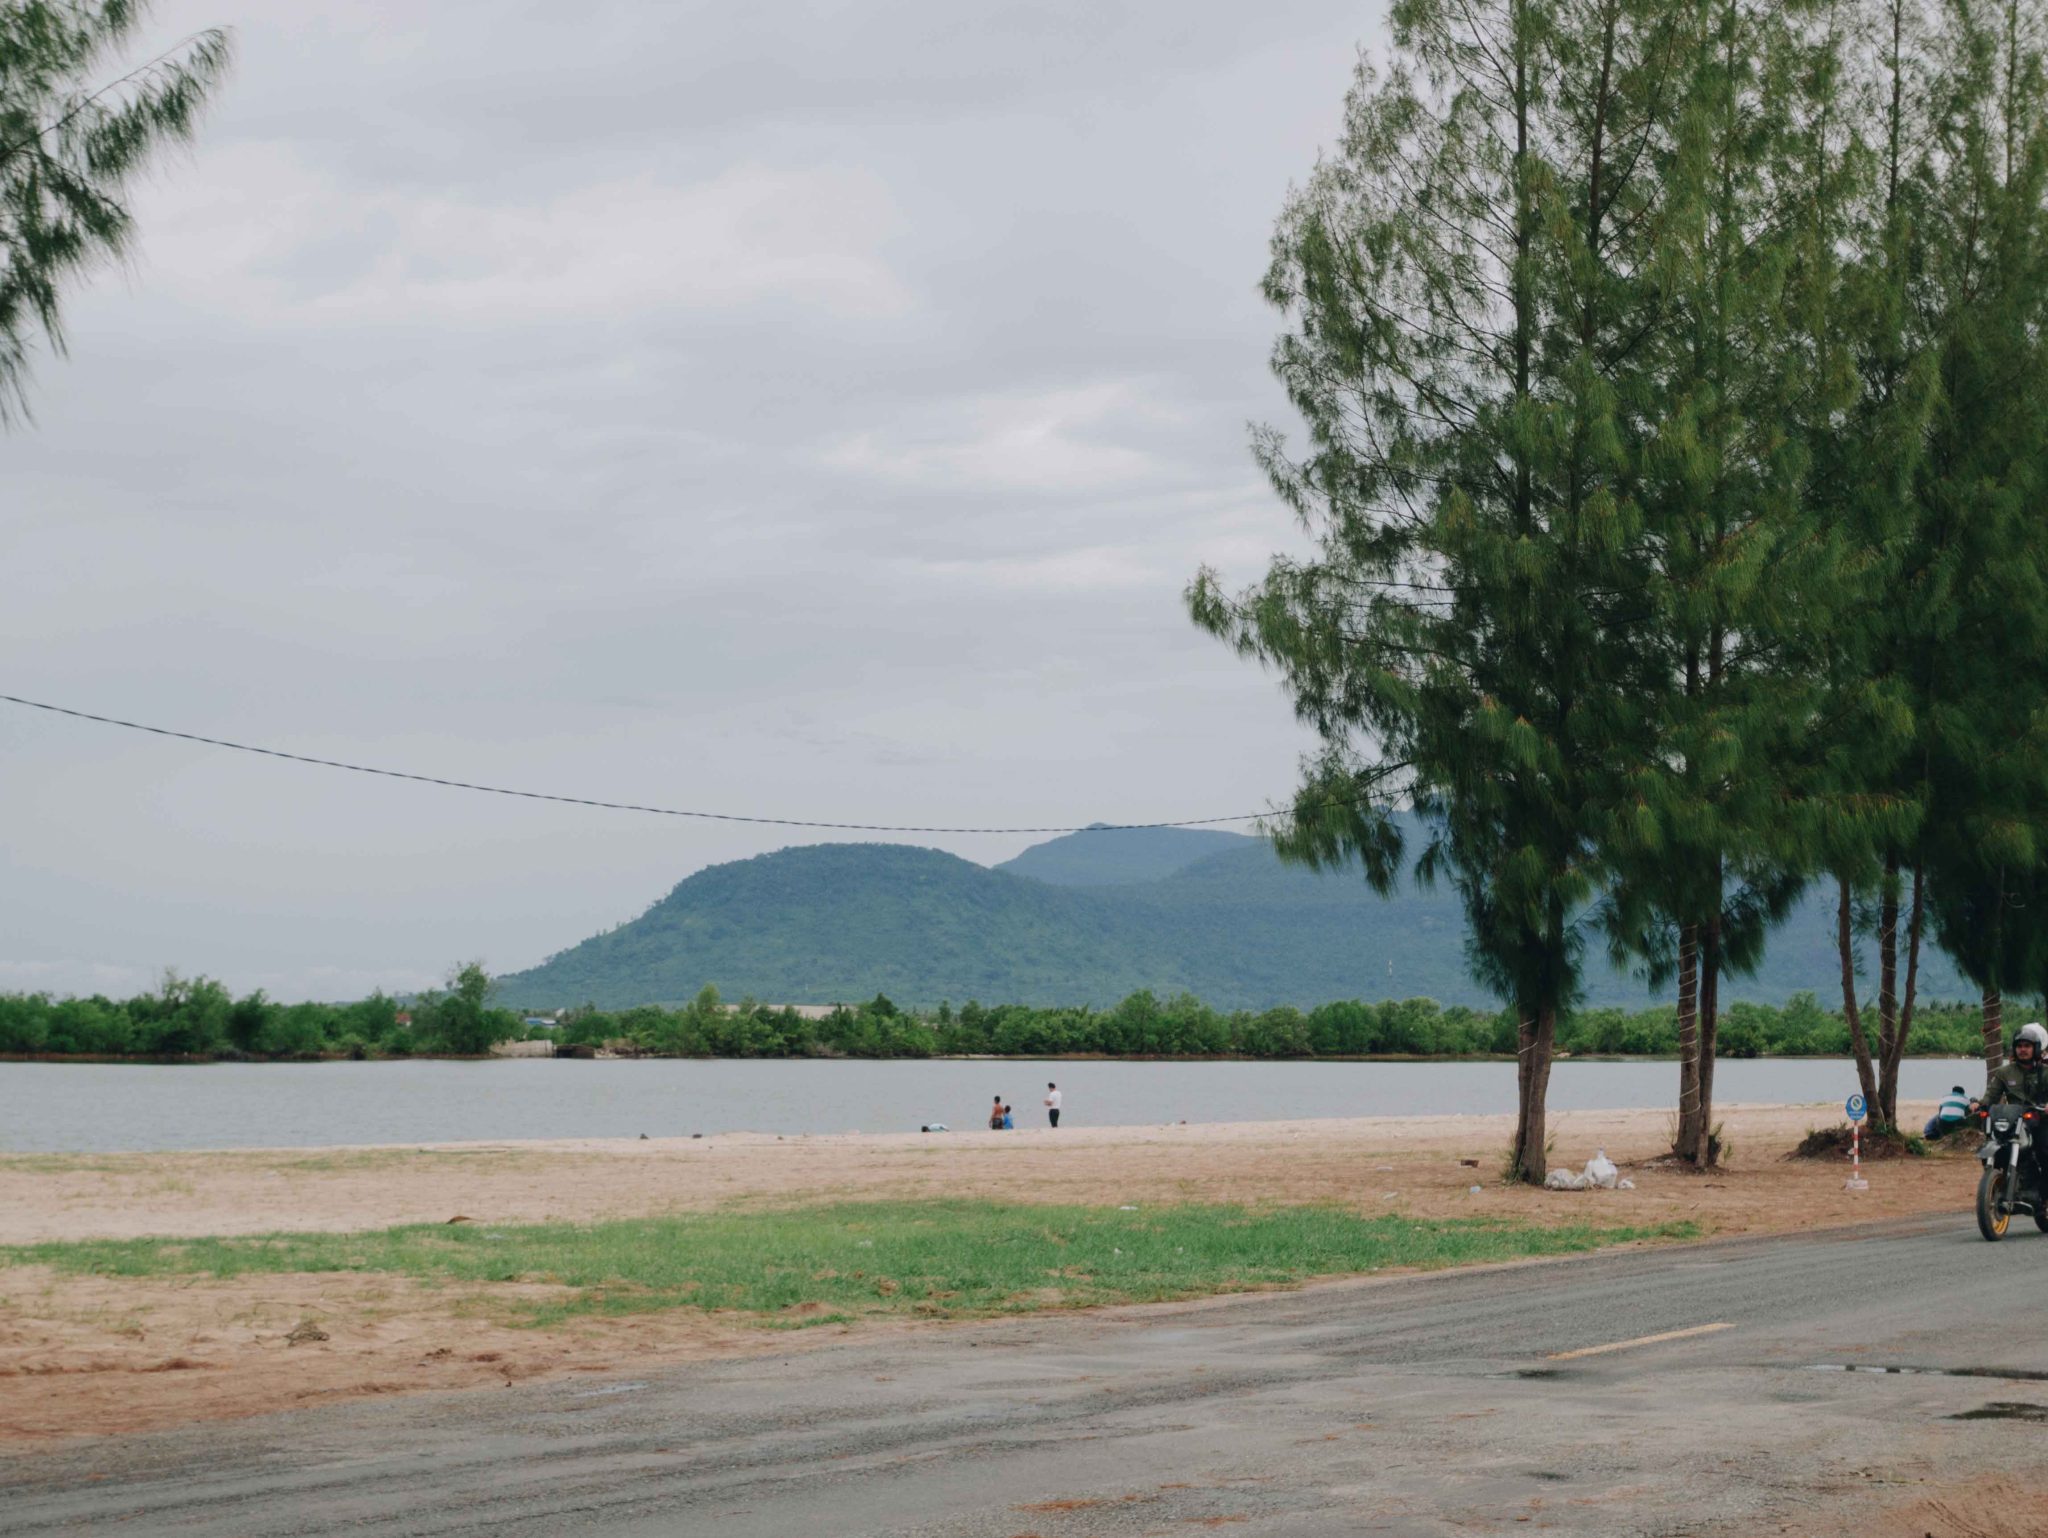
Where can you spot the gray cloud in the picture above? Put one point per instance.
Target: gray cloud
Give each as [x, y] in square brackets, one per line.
[809, 409]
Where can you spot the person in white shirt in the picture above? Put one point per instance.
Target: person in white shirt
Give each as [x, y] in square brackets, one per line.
[1052, 1103]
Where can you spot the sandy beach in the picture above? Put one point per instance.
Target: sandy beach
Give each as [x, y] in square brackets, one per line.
[84, 1354]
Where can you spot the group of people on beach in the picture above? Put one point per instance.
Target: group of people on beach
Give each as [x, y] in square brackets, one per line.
[1000, 1119]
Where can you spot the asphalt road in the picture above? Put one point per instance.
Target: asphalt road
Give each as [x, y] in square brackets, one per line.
[1476, 1401]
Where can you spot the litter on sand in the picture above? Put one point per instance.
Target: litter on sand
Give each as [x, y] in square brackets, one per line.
[1598, 1175]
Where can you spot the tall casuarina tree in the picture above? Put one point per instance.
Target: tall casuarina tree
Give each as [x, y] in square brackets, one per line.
[75, 130]
[1463, 347]
[1978, 575]
[1707, 861]
[1862, 762]
[1932, 732]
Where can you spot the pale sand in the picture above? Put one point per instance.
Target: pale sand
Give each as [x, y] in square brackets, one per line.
[105, 1354]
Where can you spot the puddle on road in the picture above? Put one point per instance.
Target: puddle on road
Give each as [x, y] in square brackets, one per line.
[2010, 1374]
[1535, 1372]
[2004, 1410]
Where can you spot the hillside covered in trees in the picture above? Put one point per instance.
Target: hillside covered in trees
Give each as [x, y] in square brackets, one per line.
[1086, 919]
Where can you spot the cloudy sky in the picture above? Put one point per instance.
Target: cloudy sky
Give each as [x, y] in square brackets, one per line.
[803, 409]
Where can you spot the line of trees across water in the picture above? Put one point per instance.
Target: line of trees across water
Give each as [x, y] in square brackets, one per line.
[198, 1018]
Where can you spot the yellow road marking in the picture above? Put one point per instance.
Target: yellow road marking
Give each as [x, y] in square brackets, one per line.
[1640, 1340]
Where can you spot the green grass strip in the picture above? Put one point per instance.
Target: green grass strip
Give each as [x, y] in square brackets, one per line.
[822, 1264]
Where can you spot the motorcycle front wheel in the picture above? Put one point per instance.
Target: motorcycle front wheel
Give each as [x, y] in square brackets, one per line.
[1993, 1215]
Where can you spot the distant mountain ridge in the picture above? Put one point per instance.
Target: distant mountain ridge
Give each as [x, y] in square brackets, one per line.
[1105, 856]
[1087, 918]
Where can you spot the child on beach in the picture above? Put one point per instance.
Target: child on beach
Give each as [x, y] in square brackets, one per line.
[1008, 1125]
[995, 1115]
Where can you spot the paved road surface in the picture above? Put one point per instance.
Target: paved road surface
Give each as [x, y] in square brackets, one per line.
[1429, 1405]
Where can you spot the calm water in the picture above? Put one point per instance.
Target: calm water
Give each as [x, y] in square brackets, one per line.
[78, 1108]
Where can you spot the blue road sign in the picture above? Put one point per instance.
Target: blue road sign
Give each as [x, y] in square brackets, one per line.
[1855, 1107]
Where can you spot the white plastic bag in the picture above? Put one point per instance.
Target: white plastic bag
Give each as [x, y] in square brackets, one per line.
[1598, 1175]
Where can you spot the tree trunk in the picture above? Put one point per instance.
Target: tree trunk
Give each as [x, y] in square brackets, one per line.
[1887, 978]
[1893, 1048]
[1705, 1155]
[1845, 941]
[1536, 1037]
[1686, 1140]
[1994, 1028]
[1994, 996]
[1710, 1022]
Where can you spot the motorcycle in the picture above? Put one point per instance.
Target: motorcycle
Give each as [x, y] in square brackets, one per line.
[2009, 1183]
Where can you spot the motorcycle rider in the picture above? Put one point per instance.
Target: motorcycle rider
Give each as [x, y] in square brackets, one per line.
[2023, 1080]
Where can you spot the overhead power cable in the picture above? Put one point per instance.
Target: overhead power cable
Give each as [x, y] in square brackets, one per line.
[612, 806]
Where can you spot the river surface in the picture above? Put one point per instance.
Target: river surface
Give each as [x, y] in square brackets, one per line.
[109, 1107]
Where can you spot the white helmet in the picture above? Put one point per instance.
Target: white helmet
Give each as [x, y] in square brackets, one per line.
[2032, 1031]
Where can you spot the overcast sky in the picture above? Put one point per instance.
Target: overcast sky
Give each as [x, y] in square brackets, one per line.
[809, 410]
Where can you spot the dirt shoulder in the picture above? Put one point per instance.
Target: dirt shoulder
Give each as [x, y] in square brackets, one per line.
[104, 1354]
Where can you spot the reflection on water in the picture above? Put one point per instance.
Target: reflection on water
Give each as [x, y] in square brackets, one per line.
[65, 1107]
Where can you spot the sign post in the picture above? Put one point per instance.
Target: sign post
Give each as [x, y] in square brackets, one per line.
[1856, 1110]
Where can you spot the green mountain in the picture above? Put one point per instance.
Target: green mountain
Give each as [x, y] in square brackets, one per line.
[1105, 856]
[830, 922]
[1216, 914]
[1243, 926]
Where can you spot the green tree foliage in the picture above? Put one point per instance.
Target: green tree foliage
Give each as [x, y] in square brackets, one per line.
[249, 1023]
[197, 1017]
[1861, 429]
[1143, 1026]
[1937, 699]
[1468, 346]
[186, 1017]
[1673, 382]
[1978, 577]
[461, 1020]
[1737, 581]
[73, 135]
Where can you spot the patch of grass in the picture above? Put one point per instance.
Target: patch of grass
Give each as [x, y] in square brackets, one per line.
[347, 1160]
[942, 1259]
[64, 1164]
[320, 1162]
